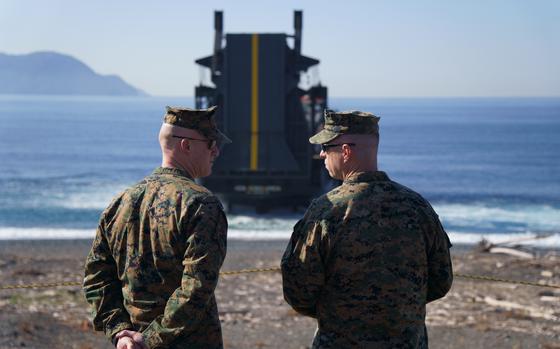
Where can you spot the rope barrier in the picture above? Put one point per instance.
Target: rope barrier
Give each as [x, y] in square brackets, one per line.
[509, 281]
[43, 285]
[244, 271]
[277, 269]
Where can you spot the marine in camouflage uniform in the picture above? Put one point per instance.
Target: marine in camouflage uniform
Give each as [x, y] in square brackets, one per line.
[367, 256]
[157, 253]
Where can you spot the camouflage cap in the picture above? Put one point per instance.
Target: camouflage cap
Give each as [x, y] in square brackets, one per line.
[201, 120]
[346, 122]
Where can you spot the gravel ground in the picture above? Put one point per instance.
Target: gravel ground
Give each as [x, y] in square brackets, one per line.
[475, 314]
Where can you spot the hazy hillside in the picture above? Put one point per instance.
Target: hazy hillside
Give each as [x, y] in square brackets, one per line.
[57, 74]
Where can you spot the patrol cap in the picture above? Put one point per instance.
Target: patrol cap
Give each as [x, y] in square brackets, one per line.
[201, 120]
[345, 122]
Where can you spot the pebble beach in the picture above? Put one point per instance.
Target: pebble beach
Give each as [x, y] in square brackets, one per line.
[474, 314]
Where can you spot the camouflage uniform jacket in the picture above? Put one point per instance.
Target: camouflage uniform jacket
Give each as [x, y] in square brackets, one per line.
[155, 263]
[364, 260]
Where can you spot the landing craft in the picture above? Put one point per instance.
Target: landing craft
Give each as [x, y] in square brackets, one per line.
[269, 109]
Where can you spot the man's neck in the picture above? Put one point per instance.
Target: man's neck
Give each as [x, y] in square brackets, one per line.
[358, 169]
[171, 163]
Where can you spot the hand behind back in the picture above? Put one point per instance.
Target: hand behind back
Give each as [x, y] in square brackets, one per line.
[127, 339]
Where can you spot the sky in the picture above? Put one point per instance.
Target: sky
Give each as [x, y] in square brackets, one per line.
[478, 48]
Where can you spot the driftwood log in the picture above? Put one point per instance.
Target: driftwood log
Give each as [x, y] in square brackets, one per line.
[506, 247]
[524, 309]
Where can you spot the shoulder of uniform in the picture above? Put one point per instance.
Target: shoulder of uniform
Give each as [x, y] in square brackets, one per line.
[411, 195]
[196, 189]
[415, 201]
[129, 192]
[179, 184]
[320, 207]
[320, 203]
[202, 197]
[339, 196]
[191, 192]
[117, 199]
[208, 199]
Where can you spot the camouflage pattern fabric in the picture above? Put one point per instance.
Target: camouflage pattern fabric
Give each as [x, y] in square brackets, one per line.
[155, 262]
[364, 261]
[346, 122]
[201, 120]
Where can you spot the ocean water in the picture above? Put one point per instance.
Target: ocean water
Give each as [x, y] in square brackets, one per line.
[490, 167]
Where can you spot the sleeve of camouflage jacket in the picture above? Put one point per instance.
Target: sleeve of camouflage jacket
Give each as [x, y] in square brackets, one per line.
[302, 267]
[102, 288]
[204, 255]
[440, 271]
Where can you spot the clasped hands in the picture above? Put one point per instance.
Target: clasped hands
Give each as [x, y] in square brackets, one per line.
[128, 339]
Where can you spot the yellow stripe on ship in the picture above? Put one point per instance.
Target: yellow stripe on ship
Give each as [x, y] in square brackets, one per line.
[254, 102]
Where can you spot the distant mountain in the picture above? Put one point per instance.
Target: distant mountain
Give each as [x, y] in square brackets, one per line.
[51, 73]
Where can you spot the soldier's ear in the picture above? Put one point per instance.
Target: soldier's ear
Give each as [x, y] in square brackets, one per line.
[346, 152]
[185, 145]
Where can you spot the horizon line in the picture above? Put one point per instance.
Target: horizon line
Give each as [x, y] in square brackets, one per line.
[331, 97]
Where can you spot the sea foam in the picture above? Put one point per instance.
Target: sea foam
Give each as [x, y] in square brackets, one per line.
[526, 239]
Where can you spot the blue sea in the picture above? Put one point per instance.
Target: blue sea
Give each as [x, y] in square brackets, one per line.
[490, 167]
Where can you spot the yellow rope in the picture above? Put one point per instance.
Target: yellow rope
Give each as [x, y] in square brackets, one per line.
[79, 283]
[244, 271]
[44, 285]
[509, 281]
[276, 269]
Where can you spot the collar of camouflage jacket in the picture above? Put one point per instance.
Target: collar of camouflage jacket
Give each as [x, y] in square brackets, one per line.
[375, 176]
[172, 171]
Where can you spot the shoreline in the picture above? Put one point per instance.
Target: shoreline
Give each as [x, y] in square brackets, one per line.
[537, 240]
[235, 243]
